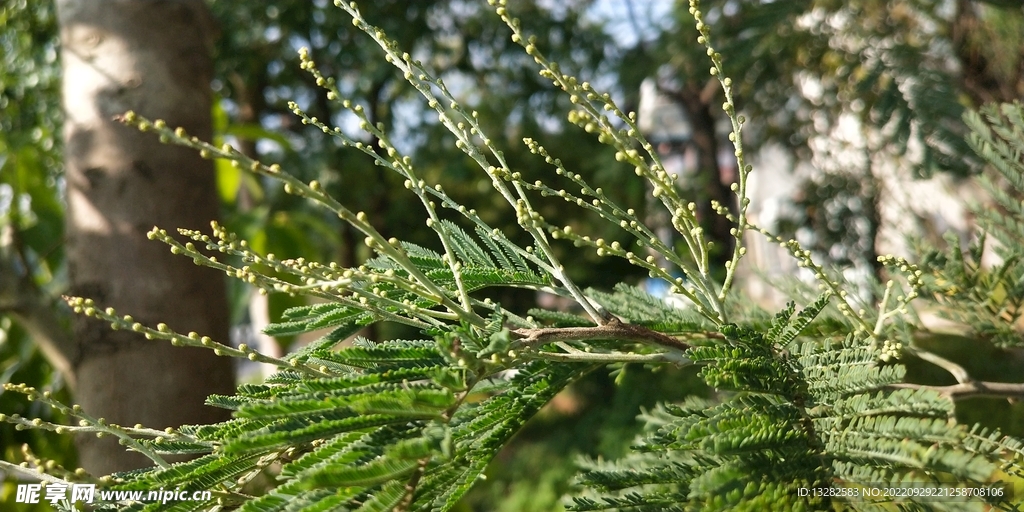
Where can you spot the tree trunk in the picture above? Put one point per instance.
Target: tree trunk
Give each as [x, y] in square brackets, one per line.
[151, 56]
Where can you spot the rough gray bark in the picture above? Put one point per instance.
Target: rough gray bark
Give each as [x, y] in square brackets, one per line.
[151, 56]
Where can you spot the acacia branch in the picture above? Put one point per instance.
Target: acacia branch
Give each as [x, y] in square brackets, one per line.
[957, 371]
[615, 329]
[579, 356]
[975, 388]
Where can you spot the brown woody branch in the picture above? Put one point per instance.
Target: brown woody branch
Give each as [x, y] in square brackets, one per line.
[410, 486]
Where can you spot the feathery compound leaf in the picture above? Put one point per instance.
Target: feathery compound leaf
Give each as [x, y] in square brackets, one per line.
[412, 403]
[165, 447]
[812, 415]
[996, 135]
[386, 499]
[640, 307]
[797, 325]
[924, 402]
[375, 472]
[423, 258]
[323, 502]
[501, 259]
[416, 401]
[328, 341]
[228, 402]
[468, 251]
[173, 506]
[780, 321]
[303, 430]
[202, 473]
[304, 319]
[340, 449]
[505, 253]
[350, 384]
[477, 278]
[656, 470]
[382, 356]
[480, 430]
[287, 498]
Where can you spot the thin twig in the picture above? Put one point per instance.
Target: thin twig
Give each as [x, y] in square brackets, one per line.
[972, 389]
[579, 356]
[30, 473]
[410, 486]
[958, 372]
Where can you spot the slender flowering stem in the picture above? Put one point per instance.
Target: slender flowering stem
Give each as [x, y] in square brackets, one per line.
[464, 130]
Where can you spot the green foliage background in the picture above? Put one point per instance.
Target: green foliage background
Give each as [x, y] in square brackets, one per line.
[32, 214]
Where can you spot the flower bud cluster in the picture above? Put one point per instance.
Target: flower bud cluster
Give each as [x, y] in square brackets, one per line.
[912, 272]
[890, 351]
[735, 136]
[88, 307]
[825, 282]
[138, 438]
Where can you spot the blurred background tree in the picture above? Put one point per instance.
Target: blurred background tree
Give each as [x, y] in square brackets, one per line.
[152, 57]
[852, 88]
[31, 225]
[863, 100]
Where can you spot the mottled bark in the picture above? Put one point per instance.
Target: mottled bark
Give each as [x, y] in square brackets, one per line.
[151, 56]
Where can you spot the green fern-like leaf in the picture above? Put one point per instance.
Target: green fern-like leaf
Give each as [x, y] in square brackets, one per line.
[305, 319]
[642, 308]
[810, 414]
[504, 252]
